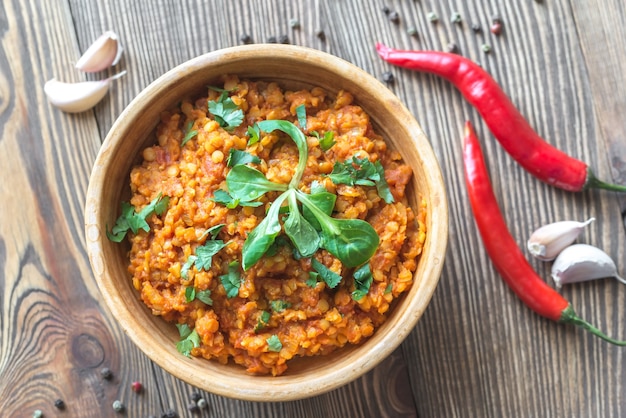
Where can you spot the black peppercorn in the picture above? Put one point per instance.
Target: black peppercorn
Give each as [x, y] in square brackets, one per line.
[271, 40]
[106, 373]
[394, 17]
[192, 407]
[477, 28]
[283, 39]
[320, 34]
[386, 10]
[170, 413]
[452, 47]
[59, 404]
[196, 396]
[245, 38]
[388, 77]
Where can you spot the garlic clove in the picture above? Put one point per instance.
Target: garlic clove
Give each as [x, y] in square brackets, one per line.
[105, 52]
[582, 262]
[549, 240]
[77, 97]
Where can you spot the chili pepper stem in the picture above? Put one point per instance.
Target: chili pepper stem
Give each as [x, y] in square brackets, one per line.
[594, 183]
[570, 317]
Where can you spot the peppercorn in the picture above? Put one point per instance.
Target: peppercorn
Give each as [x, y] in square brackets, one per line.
[386, 10]
[412, 31]
[294, 23]
[271, 40]
[118, 406]
[477, 28]
[59, 404]
[320, 34]
[283, 39]
[245, 38]
[137, 387]
[170, 413]
[486, 48]
[394, 17]
[106, 373]
[37, 413]
[388, 77]
[432, 16]
[455, 18]
[496, 28]
[452, 47]
[201, 403]
[192, 407]
[196, 396]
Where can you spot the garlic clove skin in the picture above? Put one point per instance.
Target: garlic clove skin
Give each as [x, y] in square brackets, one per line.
[105, 52]
[582, 262]
[549, 240]
[77, 97]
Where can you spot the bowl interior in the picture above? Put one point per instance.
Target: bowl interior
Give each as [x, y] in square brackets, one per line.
[292, 67]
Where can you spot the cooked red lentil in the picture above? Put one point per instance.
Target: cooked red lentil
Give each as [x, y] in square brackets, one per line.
[274, 301]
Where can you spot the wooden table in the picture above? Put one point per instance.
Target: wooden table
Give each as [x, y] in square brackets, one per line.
[477, 352]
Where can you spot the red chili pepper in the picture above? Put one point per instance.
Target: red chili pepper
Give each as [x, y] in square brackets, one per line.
[507, 124]
[503, 250]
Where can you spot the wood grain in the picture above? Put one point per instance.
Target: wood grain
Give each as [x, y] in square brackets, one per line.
[477, 351]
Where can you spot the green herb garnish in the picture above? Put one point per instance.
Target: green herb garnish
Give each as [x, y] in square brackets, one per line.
[327, 141]
[223, 197]
[226, 113]
[254, 134]
[237, 157]
[362, 282]
[189, 134]
[331, 278]
[274, 344]
[203, 257]
[279, 305]
[204, 296]
[231, 280]
[353, 241]
[301, 115]
[264, 318]
[361, 171]
[134, 221]
[189, 339]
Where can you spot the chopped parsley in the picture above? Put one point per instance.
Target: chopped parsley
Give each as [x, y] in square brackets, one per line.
[274, 344]
[231, 280]
[254, 133]
[204, 253]
[264, 318]
[389, 288]
[191, 294]
[362, 281]
[226, 113]
[327, 141]
[362, 172]
[189, 134]
[134, 221]
[189, 339]
[236, 157]
[279, 305]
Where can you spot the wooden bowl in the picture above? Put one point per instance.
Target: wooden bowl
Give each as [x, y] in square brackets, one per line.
[290, 66]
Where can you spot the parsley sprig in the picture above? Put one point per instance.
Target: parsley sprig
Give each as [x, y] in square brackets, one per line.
[135, 221]
[225, 112]
[189, 339]
[203, 257]
[363, 172]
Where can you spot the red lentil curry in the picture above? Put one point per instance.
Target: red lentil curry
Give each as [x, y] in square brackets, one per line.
[292, 292]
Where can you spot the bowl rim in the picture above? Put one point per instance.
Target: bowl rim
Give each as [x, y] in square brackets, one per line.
[436, 245]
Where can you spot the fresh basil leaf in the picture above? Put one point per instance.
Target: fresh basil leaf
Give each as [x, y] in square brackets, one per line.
[231, 280]
[302, 234]
[331, 278]
[274, 344]
[362, 281]
[262, 236]
[247, 184]
[236, 157]
[301, 115]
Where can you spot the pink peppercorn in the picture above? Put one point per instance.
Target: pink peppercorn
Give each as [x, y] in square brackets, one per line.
[136, 386]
